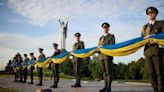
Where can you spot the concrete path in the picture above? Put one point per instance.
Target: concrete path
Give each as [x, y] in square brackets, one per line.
[64, 86]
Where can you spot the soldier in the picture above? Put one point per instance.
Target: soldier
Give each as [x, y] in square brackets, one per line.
[8, 67]
[40, 69]
[77, 61]
[55, 67]
[20, 61]
[25, 68]
[106, 62]
[153, 57]
[15, 61]
[31, 69]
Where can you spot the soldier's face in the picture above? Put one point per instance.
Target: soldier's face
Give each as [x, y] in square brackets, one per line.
[105, 29]
[19, 58]
[55, 47]
[152, 15]
[40, 51]
[77, 38]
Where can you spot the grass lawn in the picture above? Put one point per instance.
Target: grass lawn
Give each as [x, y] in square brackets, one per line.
[138, 81]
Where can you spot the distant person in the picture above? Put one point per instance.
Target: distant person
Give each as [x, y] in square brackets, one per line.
[40, 69]
[15, 69]
[25, 70]
[20, 61]
[8, 67]
[31, 69]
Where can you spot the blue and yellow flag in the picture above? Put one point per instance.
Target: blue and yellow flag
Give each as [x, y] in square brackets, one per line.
[43, 62]
[60, 58]
[131, 46]
[119, 49]
[83, 53]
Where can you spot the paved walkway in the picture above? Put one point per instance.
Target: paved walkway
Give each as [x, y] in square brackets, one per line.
[64, 86]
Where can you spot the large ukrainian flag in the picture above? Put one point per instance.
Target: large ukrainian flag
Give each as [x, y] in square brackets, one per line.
[119, 49]
[60, 58]
[43, 62]
[83, 53]
[131, 46]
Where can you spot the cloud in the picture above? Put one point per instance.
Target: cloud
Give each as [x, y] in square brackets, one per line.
[10, 44]
[14, 20]
[89, 13]
[13, 43]
[25, 44]
[41, 11]
[1, 4]
[6, 54]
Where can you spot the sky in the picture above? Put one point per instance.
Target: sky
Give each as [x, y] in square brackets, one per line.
[26, 25]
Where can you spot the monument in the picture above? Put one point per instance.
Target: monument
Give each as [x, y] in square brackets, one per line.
[63, 33]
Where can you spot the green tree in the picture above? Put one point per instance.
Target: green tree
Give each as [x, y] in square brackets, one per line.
[133, 70]
[121, 71]
[95, 69]
[67, 67]
[85, 67]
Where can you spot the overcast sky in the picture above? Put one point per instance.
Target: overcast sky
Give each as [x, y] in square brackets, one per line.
[26, 25]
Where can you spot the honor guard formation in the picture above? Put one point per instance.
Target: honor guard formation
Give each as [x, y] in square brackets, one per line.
[152, 52]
